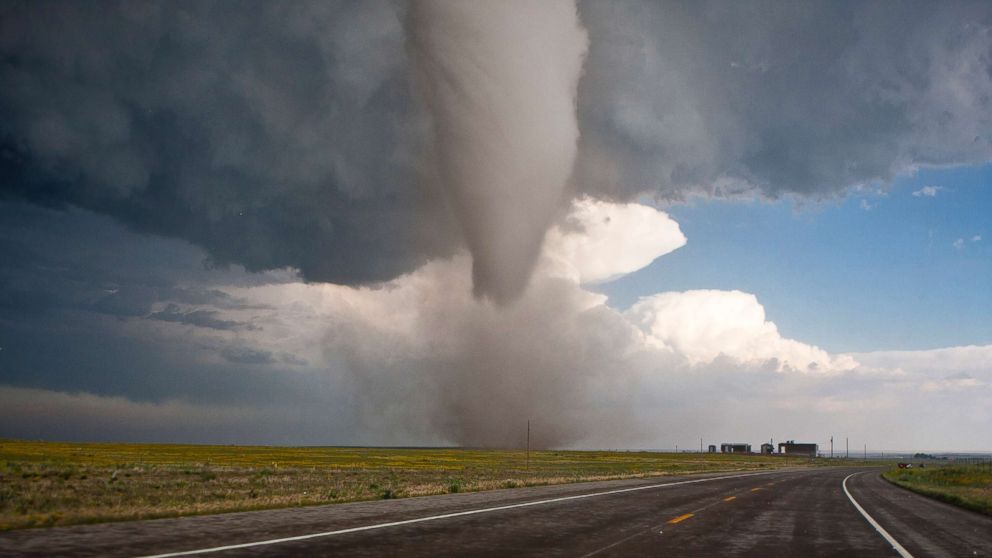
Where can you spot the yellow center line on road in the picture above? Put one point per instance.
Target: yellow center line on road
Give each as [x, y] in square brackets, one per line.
[472, 512]
[683, 517]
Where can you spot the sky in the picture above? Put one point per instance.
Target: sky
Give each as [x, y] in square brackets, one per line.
[635, 224]
[907, 267]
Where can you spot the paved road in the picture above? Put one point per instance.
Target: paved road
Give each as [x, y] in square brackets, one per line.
[782, 513]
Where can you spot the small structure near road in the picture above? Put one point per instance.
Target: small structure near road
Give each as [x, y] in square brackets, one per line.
[712, 448]
[735, 448]
[767, 448]
[793, 448]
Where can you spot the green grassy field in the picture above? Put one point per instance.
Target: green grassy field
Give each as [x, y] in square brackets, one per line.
[54, 483]
[968, 486]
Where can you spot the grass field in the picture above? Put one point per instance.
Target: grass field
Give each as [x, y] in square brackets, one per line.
[54, 483]
[968, 486]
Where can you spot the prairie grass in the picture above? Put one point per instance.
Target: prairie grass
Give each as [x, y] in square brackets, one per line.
[56, 483]
[967, 486]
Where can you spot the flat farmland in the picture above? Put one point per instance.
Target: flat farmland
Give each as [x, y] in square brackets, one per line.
[55, 483]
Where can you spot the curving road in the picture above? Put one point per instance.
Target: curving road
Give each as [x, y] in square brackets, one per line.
[780, 513]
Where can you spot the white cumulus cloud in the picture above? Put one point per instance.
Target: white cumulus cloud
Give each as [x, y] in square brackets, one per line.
[600, 241]
[928, 191]
[703, 325]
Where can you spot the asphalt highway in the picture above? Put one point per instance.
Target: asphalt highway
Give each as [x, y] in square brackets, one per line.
[808, 512]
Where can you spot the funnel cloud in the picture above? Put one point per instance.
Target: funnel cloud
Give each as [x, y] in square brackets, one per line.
[500, 79]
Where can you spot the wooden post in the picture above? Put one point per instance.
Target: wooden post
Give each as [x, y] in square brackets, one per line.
[528, 444]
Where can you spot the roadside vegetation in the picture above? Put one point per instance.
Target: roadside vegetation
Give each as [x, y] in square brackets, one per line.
[965, 485]
[54, 483]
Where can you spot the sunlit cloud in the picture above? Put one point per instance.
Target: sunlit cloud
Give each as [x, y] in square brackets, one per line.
[928, 191]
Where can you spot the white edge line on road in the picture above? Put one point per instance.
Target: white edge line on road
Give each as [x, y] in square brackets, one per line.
[454, 514]
[895, 544]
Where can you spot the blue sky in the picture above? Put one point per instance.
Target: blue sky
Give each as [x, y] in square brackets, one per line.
[842, 276]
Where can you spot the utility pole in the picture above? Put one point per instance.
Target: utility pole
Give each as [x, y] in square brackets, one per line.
[831, 447]
[847, 448]
[700, 445]
[528, 444]
[866, 453]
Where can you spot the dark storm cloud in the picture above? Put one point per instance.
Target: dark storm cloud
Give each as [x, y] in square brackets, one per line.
[213, 297]
[127, 301]
[56, 261]
[246, 355]
[78, 294]
[287, 135]
[199, 318]
[781, 97]
[273, 134]
[132, 300]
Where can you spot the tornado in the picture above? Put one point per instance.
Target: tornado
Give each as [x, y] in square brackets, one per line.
[499, 80]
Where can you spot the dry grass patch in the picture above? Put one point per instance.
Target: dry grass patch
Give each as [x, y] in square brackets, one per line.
[967, 486]
[54, 483]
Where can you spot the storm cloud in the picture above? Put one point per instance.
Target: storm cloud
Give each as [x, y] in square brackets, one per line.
[804, 98]
[273, 134]
[291, 135]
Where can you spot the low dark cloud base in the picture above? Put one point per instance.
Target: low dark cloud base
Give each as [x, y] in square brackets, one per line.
[288, 134]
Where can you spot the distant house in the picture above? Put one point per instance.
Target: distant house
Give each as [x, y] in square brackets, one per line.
[735, 448]
[712, 448]
[793, 448]
[767, 448]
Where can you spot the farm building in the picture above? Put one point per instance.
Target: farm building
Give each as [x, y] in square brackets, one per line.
[767, 447]
[735, 448]
[712, 448]
[792, 448]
